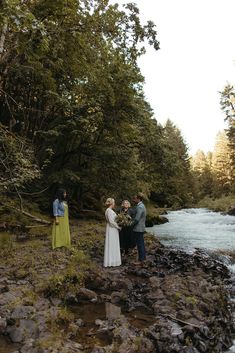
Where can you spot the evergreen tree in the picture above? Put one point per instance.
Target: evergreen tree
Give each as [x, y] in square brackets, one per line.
[203, 176]
[177, 176]
[221, 164]
[228, 106]
[70, 85]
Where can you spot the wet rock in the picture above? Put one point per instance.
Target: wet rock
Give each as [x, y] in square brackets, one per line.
[195, 322]
[175, 329]
[55, 301]
[26, 328]
[191, 350]
[153, 334]
[7, 298]
[156, 294]
[183, 315]
[162, 309]
[53, 312]
[3, 325]
[124, 333]
[16, 334]
[79, 322]
[71, 298]
[204, 307]
[202, 347]
[99, 322]
[124, 283]
[189, 329]
[117, 297]
[42, 304]
[3, 288]
[152, 220]
[28, 346]
[22, 312]
[155, 282]
[73, 330]
[98, 350]
[190, 289]
[231, 211]
[87, 294]
[105, 297]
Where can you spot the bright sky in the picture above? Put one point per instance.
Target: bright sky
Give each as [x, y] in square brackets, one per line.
[196, 60]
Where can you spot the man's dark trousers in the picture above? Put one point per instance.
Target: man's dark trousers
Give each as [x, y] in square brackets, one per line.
[139, 238]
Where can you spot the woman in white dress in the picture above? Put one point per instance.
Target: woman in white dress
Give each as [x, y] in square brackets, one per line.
[112, 254]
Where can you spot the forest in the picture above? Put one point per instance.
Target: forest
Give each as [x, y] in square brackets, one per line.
[73, 111]
[73, 114]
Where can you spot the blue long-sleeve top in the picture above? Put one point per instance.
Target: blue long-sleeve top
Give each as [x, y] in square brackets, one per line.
[58, 208]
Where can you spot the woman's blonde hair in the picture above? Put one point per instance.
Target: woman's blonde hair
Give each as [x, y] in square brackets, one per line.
[109, 201]
[126, 201]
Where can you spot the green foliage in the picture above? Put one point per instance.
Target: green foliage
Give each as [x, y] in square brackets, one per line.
[173, 169]
[6, 242]
[17, 162]
[70, 83]
[213, 173]
[218, 204]
[227, 102]
[203, 176]
[221, 164]
[70, 279]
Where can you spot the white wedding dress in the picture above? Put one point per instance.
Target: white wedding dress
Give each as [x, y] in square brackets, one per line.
[112, 254]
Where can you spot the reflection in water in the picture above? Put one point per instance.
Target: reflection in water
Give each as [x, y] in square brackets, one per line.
[6, 346]
[112, 311]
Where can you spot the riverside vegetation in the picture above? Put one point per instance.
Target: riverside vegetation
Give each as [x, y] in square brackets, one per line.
[73, 113]
[64, 301]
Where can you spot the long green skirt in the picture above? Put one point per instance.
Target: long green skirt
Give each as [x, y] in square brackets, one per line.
[61, 232]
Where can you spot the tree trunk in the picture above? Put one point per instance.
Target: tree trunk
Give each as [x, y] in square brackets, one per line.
[2, 39]
[35, 218]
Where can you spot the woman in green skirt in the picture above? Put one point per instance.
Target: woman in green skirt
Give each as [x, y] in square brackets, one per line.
[60, 229]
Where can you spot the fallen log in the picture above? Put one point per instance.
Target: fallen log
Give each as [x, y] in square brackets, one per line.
[35, 218]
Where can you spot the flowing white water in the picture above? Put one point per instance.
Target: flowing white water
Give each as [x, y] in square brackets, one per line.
[197, 228]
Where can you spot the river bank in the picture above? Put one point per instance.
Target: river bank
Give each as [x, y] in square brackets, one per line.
[65, 301]
[222, 204]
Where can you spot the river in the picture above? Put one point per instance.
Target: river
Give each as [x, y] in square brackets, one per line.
[199, 228]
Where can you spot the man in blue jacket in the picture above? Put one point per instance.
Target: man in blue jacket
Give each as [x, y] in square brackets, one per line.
[139, 227]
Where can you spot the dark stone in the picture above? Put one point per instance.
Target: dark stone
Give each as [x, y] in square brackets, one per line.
[116, 297]
[3, 325]
[79, 322]
[71, 298]
[22, 312]
[231, 211]
[87, 294]
[26, 328]
[152, 220]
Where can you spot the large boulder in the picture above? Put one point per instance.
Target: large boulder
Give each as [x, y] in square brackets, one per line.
[152, 220]
[231, 211]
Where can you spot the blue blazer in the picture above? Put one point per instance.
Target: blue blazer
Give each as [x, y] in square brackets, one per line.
[140, 218]
[58, 208]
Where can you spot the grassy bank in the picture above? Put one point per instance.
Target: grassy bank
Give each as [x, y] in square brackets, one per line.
[221, 204]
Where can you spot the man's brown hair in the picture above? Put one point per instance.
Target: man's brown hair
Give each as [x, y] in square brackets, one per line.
[140, 196]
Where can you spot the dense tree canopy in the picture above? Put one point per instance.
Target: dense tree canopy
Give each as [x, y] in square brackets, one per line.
[70, 85]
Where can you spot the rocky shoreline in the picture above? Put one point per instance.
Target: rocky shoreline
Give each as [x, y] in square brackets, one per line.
[65, 301]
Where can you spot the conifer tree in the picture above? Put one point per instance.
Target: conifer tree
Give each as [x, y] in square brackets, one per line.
[221, 164]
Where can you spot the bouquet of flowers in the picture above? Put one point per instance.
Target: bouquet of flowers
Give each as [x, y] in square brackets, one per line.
[123, 219]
